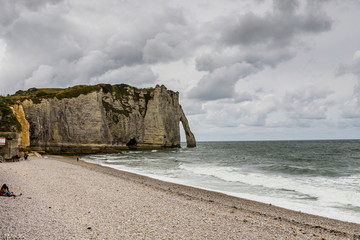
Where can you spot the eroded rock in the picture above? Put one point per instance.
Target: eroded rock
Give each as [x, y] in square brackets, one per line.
[104, 118]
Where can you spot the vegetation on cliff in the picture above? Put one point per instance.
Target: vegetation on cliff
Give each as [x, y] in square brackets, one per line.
[108, 107]
[37, 94]
[8, 121]
[85, 118]
[120, 92]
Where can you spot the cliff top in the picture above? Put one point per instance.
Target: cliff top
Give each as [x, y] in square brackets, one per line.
[8, 121]
[36, 94]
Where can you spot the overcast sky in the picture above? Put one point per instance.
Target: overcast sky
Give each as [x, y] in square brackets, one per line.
[245, 70]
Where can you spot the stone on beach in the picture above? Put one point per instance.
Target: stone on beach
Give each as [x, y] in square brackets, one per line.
[68, 199]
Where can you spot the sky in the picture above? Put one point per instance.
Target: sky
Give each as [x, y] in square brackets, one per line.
[245, 70]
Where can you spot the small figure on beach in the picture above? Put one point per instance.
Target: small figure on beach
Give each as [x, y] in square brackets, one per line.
[26, 156]
[5, 192]
[16, 158]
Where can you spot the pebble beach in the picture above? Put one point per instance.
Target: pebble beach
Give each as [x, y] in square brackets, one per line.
[63, 198]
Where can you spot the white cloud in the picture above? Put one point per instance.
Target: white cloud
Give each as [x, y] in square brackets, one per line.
[351, 109]
[42, 77]
[166, 47]
[218, 54]
[140, 75]
[221, 83]
[276, 28]
[308, 103]
[2, 51]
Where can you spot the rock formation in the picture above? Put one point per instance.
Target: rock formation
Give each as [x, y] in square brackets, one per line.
[101, 118]
[20, 116]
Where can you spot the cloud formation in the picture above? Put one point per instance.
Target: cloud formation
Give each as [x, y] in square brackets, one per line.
[351, 108]
[277, 28]
[306, 104]
[237, 64]
[221, 83]
[80, 48]
[259, 40]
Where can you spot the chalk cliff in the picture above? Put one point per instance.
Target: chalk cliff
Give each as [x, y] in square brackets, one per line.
[101, 118]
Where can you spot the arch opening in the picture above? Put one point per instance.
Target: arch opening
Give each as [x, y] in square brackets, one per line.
[132, 143]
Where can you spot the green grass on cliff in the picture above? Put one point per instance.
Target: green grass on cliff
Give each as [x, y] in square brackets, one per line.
[8, 121]
[108, 107]
[120, 92]
[37, 94]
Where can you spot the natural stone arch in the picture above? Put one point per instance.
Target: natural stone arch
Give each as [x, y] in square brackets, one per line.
[190, 138]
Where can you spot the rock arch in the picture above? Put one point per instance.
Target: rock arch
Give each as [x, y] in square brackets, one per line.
[190, 138]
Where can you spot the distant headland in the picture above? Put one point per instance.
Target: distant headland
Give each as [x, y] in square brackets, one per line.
[92, 119]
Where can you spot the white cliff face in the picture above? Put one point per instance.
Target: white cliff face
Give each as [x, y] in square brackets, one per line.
[107, 121]
[161, 123]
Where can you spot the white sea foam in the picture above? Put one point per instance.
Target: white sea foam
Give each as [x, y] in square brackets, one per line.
[266, 172]
[326, 195]
[319, 208]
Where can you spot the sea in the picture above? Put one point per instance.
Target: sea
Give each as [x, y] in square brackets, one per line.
[319, 177]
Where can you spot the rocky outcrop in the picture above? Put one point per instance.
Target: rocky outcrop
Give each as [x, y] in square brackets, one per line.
[106, 119]
[24, 139]
[10, 148]
[190, 139]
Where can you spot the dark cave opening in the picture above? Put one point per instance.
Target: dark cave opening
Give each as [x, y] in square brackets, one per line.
[132, 143]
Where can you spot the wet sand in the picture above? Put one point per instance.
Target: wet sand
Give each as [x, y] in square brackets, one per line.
[68, 199]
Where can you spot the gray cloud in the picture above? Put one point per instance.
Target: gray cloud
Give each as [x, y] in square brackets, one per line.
[257, 40]
[123, 52]
[138, 75]
[42, 77]
[259, 59]
[277, 28]
[243, 97]
[309, 103]
[285, 7]
[50, 36]
[217, 54]
[11, 10]
[173, 40]
[351, 109]
[252, 112]
[221, 83]
[36, 4]
[165, 47]
[8, 13]
[54, 46]
[304, 107]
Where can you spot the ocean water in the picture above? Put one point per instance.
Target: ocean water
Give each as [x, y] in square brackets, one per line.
[317, 177]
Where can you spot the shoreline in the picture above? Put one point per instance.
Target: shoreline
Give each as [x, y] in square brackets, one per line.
[222, 212]
[237, 195]
[184, 190]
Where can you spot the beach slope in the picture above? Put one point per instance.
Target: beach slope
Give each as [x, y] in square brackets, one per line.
[68, 199]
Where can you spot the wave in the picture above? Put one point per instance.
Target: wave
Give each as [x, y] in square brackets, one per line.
[327, 195]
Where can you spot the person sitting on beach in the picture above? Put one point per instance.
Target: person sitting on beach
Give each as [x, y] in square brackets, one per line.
[5, 192]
